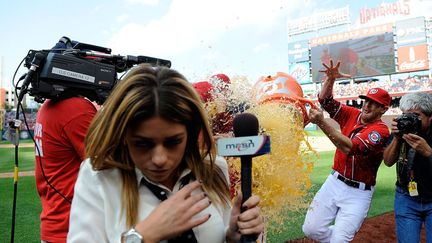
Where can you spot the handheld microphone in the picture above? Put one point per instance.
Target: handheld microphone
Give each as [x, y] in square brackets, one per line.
[245, 125]
[246, 144]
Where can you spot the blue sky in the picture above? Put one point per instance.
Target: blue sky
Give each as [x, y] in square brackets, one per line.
[200, 37]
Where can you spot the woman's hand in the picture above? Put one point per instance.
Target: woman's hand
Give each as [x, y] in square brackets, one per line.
[250, 222]
[175, 215]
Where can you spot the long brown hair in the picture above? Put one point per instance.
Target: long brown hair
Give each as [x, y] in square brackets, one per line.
[143, 93]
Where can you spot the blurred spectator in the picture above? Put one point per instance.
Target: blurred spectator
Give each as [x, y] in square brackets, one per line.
[392, 86]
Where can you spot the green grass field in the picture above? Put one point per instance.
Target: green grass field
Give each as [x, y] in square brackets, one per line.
[21, 141]
[28, 206]
[25, 161]
[315, 133]
[27, 210]
[28, 203]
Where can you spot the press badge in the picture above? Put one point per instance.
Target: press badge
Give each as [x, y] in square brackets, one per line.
[412, 188]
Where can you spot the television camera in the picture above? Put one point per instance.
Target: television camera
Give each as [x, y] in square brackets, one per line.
[72, 68]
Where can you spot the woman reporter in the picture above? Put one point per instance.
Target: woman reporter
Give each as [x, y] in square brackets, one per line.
[152, 174]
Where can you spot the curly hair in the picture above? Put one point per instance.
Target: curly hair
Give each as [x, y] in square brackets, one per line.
[417, 100]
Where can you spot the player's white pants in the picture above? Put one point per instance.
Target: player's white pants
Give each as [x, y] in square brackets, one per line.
[335, 201]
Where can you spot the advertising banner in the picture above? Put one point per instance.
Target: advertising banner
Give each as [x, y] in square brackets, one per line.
[411, 32]
[353, 34]
[298, 51]
[301, 72]
[413, 58]
[319, 21]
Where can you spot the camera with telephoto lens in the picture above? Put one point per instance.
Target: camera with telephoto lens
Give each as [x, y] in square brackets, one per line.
[73, 68]
[408, 123]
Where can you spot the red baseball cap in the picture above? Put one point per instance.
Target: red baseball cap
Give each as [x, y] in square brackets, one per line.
[378, 95]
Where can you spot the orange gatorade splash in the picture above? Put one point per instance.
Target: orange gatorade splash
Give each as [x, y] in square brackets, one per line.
[280, 178]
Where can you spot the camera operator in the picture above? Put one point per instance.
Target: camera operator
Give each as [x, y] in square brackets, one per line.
[411, 151]
[61, 126]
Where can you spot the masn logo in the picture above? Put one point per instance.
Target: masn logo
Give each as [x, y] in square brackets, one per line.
[241, 146]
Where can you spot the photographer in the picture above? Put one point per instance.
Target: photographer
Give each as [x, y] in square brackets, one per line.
[411, 151]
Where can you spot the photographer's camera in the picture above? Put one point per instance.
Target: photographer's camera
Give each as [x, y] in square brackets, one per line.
[409, 123]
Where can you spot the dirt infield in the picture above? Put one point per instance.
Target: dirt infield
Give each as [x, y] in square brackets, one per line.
[21, 173]
[376, 229]
[21, 145]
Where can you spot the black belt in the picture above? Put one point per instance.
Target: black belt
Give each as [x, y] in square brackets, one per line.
[349, 182]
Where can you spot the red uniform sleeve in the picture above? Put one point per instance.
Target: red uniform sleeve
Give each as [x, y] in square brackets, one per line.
[341, 113]
[370, 140]
[330, 105]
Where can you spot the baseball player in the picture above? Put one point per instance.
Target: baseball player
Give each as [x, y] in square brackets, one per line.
[346, 195]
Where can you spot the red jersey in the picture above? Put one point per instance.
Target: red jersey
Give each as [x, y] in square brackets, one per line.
[368, 140]
[59, 134]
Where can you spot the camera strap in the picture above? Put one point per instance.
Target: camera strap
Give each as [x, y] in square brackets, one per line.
[401, 162]
[412, 185]
[405, 165]
[406, 158]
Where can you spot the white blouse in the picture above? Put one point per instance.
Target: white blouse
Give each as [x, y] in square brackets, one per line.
[96, 212]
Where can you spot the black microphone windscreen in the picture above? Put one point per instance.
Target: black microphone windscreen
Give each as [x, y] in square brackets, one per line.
[245, 124]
